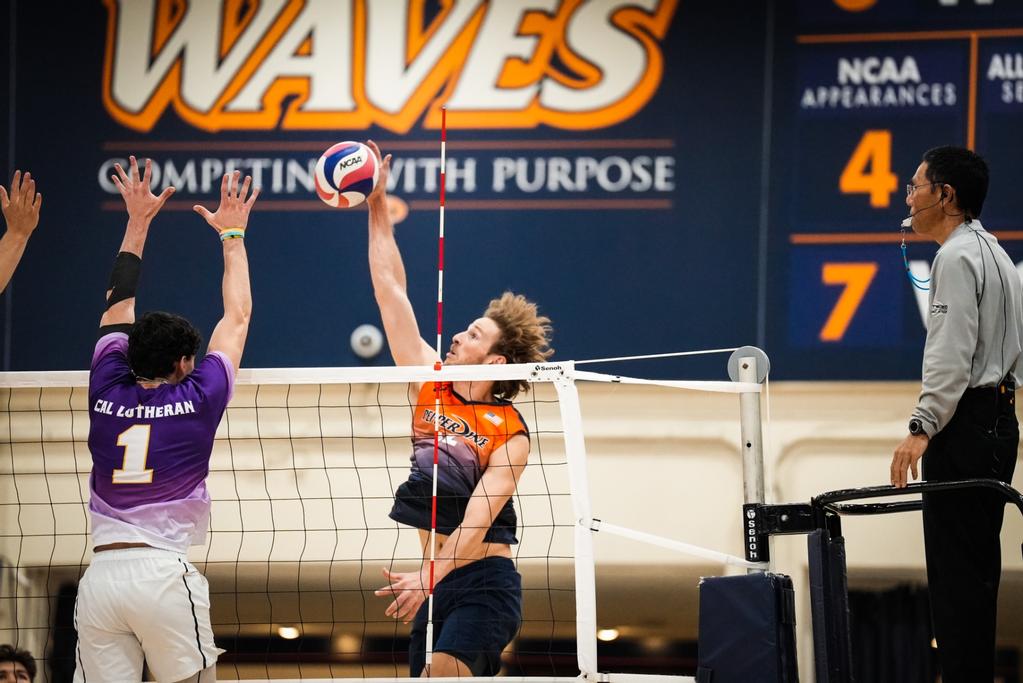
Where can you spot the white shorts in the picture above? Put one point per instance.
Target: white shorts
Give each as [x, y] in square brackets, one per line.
[142, 603]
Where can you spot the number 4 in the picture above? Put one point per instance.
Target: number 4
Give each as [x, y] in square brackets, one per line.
[135, 441]
[875, 151]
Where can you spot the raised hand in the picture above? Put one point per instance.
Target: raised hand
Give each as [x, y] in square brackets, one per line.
[384, 163]
[233, 212]
[140, 201]
[21, 206]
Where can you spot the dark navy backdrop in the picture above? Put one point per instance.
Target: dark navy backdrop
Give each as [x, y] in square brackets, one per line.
[683, 276]
[928, 65]
[615, 282]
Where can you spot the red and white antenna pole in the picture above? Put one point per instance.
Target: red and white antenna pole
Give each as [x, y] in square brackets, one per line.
[436, 393]
[440, 238]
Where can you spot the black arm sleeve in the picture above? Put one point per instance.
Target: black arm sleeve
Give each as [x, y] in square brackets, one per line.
[118, 327]
[124, 277]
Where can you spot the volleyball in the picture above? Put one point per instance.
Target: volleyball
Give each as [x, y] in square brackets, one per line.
[346, 174]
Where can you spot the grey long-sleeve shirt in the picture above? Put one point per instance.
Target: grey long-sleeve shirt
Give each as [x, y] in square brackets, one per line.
[975, 323]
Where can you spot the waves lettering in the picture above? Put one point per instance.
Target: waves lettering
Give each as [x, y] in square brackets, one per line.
[325, 64]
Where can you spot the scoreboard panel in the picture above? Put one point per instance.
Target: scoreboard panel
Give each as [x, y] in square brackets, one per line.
[865, 88]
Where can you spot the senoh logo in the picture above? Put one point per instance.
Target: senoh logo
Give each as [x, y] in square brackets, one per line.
[320, 64]
[754, 553]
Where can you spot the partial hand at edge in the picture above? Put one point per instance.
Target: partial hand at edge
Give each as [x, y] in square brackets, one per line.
[21, 207]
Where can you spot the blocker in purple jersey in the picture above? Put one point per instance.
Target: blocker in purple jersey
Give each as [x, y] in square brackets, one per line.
[346, 174]
[151, 449]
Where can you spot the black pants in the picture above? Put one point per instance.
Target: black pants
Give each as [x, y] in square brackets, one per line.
[961, 530]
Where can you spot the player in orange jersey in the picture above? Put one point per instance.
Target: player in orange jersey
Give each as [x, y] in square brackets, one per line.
[483, 449]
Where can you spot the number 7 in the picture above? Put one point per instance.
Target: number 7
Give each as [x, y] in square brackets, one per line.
[857, 278]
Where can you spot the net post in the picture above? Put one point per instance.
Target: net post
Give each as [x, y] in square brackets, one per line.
[585, 576]
[752, 442]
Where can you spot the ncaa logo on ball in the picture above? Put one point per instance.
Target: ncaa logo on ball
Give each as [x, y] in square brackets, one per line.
[346, 174]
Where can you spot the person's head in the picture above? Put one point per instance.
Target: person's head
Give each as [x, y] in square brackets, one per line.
[16, 666]
[510, 331]
[162, 345]
[954, 179]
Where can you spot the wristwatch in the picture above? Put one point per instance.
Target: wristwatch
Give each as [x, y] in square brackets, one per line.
[916, 427]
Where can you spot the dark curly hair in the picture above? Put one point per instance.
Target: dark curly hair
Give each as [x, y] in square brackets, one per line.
[158, 340]
[9, 653]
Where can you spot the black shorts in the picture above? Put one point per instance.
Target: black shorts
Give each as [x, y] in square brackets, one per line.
[477, 610]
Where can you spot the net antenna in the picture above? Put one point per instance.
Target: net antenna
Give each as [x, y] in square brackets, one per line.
[436, 391]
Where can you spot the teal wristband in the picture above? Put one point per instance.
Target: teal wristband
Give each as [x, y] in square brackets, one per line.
[232, 234]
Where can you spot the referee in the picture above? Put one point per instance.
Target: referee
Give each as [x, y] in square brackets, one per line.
[964, 425]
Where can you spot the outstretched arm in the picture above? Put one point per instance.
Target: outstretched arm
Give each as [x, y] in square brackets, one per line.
[388, 274]
[230, 221]
[142, 206]
[21, 212]
[465, 544]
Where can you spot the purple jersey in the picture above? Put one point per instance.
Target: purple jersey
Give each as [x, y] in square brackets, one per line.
[151, 449]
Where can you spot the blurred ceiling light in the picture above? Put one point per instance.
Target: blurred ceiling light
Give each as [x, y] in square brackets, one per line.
[288, 632]
[607, 634]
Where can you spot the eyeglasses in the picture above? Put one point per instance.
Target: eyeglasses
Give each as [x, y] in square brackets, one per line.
[910, 189]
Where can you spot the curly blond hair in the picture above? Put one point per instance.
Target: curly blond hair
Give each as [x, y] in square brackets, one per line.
[525, 338]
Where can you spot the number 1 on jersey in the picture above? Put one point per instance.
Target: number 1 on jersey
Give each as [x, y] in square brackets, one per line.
[135, 441]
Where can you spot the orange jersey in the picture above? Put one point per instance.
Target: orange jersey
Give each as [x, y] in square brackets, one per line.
[469, 432]
[481, 427]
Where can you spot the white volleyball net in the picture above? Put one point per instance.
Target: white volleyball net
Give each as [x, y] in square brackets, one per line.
[302, 476]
